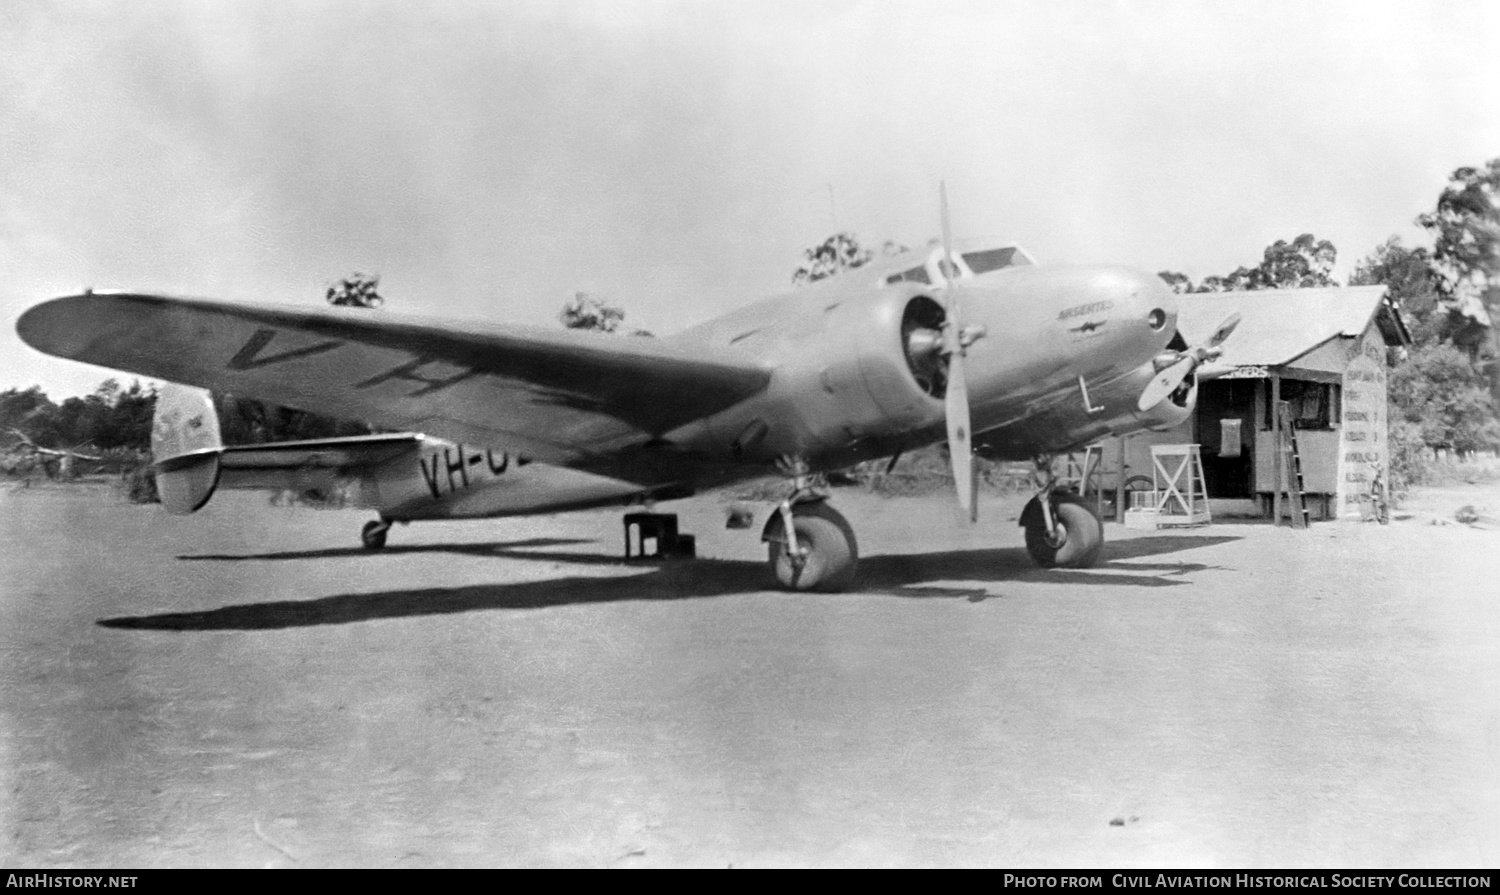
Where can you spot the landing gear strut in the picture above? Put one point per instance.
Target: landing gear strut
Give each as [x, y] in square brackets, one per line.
[1061, 531]
[373, 534]
[810, 545]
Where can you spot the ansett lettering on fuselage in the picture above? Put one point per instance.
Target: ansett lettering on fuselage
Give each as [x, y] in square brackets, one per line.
[452, 468]
[1093, 307]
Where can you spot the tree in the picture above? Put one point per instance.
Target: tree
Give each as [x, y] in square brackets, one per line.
[1466, 225]
[837, 253]
[584, 311]
[357, 290]
[1177, 280]
[1438, 390]
[1412, 284]
[1303, 263]
[29, 411]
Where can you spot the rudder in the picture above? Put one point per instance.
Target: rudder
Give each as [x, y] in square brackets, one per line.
[185, 444]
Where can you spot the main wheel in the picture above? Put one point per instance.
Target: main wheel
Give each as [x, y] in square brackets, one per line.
[373, 534]
[1075, 543]
[829, 554]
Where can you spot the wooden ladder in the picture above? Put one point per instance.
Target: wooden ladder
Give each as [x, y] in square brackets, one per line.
[1289, 470]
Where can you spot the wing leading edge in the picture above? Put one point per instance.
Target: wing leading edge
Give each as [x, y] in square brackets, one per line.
[562, 396]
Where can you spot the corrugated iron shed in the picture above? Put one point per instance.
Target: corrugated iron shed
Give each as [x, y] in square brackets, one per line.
[1278, 326]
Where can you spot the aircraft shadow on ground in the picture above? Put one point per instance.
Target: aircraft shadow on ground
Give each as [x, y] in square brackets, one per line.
[494, 548]
[899, 575]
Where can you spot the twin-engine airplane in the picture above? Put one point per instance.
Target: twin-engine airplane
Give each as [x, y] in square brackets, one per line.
[1005, 359]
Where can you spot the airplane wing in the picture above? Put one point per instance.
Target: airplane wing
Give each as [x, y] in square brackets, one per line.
[560, 396]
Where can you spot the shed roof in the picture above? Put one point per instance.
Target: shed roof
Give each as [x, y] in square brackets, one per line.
[1277, 326]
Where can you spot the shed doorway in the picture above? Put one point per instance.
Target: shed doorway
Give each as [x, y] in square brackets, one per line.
[1225, 423]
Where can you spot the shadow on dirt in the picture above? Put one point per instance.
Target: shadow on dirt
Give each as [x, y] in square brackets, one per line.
[494, 548]
[889, 575]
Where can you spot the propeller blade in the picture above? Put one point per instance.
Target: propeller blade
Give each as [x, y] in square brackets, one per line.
[956, 399]
[1224, 331]
[960, 446]
[1165, 383]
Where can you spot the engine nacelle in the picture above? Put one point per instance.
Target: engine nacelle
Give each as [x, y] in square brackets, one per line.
[861, 373]
[1071, 421]
[843, 389]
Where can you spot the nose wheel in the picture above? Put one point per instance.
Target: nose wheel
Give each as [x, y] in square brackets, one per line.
[373, 534]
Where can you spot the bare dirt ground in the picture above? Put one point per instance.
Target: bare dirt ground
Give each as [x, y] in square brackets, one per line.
[248, 688]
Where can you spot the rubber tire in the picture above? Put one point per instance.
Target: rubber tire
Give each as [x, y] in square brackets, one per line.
[373, 535]
[1084, 537]
[833, 554]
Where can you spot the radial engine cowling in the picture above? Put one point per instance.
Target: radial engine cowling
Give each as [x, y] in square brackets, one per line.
[861, 375]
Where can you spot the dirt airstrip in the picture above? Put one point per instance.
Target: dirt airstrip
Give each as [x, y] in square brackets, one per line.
[246, 687]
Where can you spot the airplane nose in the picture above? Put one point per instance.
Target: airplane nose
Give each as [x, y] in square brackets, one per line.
[1139, 297]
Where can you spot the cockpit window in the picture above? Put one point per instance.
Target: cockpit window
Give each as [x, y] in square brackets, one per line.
[994, 259]
[915, 275]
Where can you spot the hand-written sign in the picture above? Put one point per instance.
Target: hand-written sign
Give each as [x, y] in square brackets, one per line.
[1362, 450]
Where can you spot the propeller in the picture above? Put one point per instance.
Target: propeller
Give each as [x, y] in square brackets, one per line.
[956, 399]
[1174, 369]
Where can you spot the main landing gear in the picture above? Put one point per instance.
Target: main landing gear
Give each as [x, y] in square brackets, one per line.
[1061, 531]
[809, 545]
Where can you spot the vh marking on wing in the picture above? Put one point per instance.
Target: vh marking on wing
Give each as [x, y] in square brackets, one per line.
[408, 372]
[248, 357]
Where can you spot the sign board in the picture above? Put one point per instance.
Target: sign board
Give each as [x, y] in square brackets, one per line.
[1363, 452]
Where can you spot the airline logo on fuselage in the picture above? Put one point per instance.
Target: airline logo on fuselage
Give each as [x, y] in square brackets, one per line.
[1093, 307]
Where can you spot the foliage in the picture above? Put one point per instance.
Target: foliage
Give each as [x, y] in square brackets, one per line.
[357, 290]
[837, 253]
[584, 311]
[1305, 262]
[109, 418]
[138, 484]
[1438, 390]
[1413, 285]
[247, 421]
[1409, 465]
[1177, 280]
[1466, 224]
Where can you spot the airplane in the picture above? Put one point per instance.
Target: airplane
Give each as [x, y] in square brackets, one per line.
[973, 344]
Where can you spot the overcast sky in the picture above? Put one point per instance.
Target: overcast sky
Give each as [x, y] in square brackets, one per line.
[489, 159]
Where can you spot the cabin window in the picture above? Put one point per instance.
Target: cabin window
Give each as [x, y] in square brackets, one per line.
[915, 275]
[1314, 405]
[990, 259]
